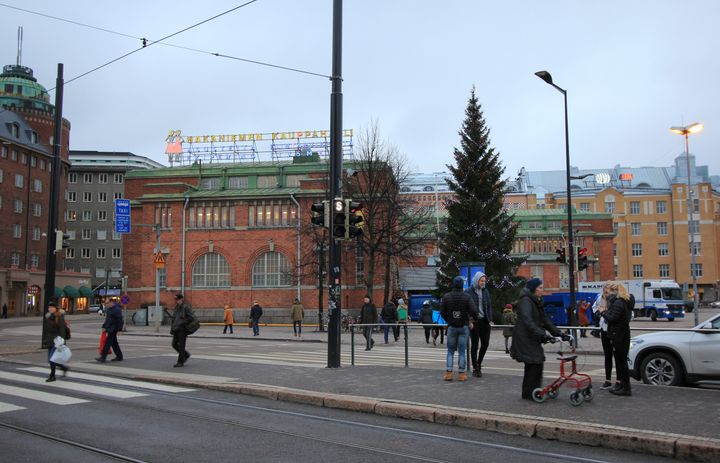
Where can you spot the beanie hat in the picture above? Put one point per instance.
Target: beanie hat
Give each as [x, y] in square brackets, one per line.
[458, 282]
[533, 283]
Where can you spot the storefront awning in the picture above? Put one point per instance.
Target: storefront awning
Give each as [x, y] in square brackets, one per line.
[71, 292]
[85, 291]
[59, 293]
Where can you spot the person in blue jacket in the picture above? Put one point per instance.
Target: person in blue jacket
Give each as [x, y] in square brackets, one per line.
[112, 325]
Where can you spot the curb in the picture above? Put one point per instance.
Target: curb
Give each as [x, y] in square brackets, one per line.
[679, 446]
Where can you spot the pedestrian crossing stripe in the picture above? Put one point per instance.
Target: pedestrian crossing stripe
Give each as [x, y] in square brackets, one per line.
[86, 388]
[9, 407]
[40, 396]
[118, 381]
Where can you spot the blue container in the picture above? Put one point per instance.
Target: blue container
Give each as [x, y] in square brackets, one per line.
[556, 303]
[416, 302]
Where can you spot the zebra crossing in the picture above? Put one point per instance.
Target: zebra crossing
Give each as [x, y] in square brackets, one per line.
[30, 388]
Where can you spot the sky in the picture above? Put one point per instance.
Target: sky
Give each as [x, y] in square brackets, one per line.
[631, 69]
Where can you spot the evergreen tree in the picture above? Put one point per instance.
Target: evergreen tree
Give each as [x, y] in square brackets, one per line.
[478, 228]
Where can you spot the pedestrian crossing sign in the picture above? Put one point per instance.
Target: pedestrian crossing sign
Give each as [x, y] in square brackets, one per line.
[159, 260]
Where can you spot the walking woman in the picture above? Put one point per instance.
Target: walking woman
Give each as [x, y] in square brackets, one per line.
[297, 313]
[600, 306]
[618, 316]
[228, 319]
[54, 326]
[529, 334]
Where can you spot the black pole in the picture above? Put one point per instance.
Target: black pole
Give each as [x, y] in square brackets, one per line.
[334, 273]
[50, 259]
[571, 232]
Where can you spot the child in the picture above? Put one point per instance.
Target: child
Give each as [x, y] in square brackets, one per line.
[509, 317]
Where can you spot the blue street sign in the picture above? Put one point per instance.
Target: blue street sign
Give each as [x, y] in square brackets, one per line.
[122, 216]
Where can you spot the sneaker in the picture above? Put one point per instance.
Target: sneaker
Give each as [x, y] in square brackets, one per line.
[622, 391]
[448, 376]
[616, 387]
[606, 385]
[116, 359]
[100, 359]
[507, 351]
[187, 356]
[462, 376]
[177, 365]
[477, 374]
[50, 379]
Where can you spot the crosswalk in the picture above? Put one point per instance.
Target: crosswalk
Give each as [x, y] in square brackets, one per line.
[28, 388]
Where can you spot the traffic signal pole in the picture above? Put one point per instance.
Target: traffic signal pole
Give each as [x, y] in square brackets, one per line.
[334, 273]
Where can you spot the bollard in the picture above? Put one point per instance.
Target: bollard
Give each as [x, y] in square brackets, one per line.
[352, 345]
[406, 344]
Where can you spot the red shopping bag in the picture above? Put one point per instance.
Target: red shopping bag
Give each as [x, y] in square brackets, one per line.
[103, 337]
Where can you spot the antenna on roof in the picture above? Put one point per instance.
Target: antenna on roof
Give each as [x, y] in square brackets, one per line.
[20, 39]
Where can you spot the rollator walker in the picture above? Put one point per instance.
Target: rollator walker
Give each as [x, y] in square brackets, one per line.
[581, 382]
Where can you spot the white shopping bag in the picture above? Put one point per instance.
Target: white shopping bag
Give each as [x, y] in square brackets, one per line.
[58, 341]
[61, 355]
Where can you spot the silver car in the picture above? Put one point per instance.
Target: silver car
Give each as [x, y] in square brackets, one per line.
[674, 358]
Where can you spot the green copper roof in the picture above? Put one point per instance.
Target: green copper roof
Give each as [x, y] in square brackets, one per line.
[19, 89]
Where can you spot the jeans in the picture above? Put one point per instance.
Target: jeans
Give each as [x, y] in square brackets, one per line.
[395, 330]
[457, 339]
[297, 327]
[256, 326]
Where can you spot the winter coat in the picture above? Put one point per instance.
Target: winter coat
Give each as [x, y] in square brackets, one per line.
[509, 317]
[618, 316]
[297, 312]
[368, 314]
[113, 319]
[458, 308]
[54, 327]
[529, 330]
[402, 313]
[256, 312]
[389, 313]
[182, 315]
[582, 314]
[228, 317]
[426, 315]
[487, 308]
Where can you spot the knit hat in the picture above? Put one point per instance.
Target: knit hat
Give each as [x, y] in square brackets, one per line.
[458, 282]
[533, 284]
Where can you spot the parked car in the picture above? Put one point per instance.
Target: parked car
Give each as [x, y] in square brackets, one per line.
[96, 308]
[715, 304]
[674, 358]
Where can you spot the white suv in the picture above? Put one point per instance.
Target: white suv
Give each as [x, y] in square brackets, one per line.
[673, 358]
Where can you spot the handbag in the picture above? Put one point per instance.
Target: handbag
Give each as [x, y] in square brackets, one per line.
[61, 355]
[250, 324]
[103, 338]
[192, 326]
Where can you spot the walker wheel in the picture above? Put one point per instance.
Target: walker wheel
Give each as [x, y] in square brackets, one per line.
[576, 398]
[553, 393]
[538, 395]
[588, 393]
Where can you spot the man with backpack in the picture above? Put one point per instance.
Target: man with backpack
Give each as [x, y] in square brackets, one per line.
[460, 312]
[181, 318]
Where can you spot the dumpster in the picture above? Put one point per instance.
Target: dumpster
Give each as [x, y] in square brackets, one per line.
[140, 317]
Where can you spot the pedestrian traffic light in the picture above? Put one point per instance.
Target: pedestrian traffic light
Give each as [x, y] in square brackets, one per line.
[582, 259]
[339, 218]
[354, 219]
[61, 241]
[561, 255]
[320, 214]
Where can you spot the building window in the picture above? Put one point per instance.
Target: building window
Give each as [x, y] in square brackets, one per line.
[18, 205]
[660, 207]
[102, 178]
[102, 216]
[163, 215]
[117, 195]
[270, 270]
[87, 216]
[637, 249]
[694, 227]
[71, 234]
[13, 155]
[610, 207]
[71, 196]
[102, 235]
[86, 234]
[696, 205]
[638, 271]
[87, 196]
[615, 270]
[116, 254]
[3, 151]
[585, 207]
[33, 160]
[662, 229]
[42, 164]
[116, 236]
[70, 253]
[293, 181]
[71, 215]
[267, 181]
[614, 249]
[2, 175]
[211, 270]
[100, 272]
[118, 179]
[17, 231]
[616, 227]
[275, 214]
[664, 270]
[36, 233]
[87, 178]
[210, 183]
[162, 274]
[663, 249]
[100, 253]
[359, 266]
[24, 158]
[698, 248]
[236, 183]
[72, 177]
[19, 180]
[635, 229]
[37, 186]
[85, 253]
[37, 210]
[102, 196]
[634, 207]
[696, 270]
[15, 259]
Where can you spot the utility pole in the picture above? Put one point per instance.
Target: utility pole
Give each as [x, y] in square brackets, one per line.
[158, 312]
[336, 154]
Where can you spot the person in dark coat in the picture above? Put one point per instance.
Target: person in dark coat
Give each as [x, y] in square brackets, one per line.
[182, 315]
[113, 324]
[54, 326]
[426, 318]
[255, 314]
[529, 334]
[480, 334]
[4, 311]
[368, 315]
[459, 311]
[389, 317]
[618, 314]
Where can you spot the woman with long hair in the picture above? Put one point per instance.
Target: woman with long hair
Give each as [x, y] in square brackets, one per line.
[54, 327]
[600, 306]
[618, 315]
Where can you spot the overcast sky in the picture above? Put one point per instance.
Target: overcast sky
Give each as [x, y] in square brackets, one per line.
[631, 68]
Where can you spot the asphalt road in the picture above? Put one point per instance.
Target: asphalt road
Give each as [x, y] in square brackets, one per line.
[98, 418]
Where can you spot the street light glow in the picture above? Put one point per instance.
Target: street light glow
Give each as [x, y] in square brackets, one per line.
[692, 128]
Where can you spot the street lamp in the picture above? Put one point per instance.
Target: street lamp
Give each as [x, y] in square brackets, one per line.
[544, 75]
[686, 131]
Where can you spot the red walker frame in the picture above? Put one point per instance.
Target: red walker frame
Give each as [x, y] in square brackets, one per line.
[582, 382]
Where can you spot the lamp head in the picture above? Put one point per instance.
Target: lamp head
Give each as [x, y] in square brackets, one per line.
[544, 75]
[692, 128]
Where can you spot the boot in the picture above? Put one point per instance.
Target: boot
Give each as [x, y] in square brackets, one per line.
[50, 379]
[462, 376]
[624, 390]
[448, 376]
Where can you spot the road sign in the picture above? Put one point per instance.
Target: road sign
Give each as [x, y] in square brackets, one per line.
[159, 260]
[122, 216]
[125, 299]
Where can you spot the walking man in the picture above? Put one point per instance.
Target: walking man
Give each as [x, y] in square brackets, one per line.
[255, 314]
[112, 325]
[180, 318]
[481, 330]
[368, 314]
[458, 309]
[297, 314]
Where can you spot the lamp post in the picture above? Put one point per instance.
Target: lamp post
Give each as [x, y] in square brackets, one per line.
[686, 131]
[544, 75]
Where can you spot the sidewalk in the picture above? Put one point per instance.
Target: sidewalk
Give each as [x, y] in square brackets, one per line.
[677, 422]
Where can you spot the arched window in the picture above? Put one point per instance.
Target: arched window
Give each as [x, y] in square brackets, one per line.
[270, 270]
[211, 270]
[428, 188]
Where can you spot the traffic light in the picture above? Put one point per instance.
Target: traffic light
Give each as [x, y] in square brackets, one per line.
[61, 241]
[354, 219]
[320, 214]
[582, 259]
[339, 218]
[561, 255]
